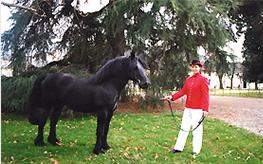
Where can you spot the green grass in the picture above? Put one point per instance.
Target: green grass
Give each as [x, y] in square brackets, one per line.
[141, 138]
[237, 92]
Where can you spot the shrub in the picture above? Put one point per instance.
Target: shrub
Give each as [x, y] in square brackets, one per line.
[15, 90]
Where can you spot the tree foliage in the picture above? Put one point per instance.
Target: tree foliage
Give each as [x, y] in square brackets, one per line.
[249, 18]
[169, 31]
[220, 62]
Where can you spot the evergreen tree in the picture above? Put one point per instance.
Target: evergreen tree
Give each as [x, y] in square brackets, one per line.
[169, 31]
[249, 18]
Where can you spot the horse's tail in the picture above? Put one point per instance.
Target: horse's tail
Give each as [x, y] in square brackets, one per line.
[34, 107]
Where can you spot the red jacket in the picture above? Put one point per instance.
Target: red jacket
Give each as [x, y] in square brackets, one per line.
[197, 92]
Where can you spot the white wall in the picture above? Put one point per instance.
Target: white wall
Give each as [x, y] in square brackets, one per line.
[237, 82]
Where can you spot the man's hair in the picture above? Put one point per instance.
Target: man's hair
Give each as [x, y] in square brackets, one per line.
[196, 62]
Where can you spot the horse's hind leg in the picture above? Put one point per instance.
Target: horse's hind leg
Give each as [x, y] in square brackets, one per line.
[52, 138]
[39, 140]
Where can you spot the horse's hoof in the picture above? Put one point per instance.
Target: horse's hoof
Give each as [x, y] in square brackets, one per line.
[106, 147]
[98, 151]
[39, 143]
[54, 141]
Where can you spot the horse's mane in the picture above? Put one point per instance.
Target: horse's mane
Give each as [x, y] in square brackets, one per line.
[112, 68]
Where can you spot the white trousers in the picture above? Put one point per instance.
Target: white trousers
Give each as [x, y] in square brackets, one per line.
[191, 117]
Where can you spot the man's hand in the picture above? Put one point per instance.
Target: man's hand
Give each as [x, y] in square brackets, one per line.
[205, 113]
[167, 98]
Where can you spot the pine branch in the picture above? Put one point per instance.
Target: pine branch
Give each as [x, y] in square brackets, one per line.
[34, 11]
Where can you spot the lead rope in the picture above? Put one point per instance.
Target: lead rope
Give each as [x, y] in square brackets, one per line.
[199, 122]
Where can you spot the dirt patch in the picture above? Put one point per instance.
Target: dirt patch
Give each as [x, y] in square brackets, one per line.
[241, 112]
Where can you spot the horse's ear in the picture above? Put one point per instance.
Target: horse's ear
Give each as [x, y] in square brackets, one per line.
[143, 61]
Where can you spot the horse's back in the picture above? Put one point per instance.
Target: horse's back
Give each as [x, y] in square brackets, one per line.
[53, 80]
[54, 85]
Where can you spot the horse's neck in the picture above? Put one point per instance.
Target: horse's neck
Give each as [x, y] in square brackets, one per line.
[117, 84]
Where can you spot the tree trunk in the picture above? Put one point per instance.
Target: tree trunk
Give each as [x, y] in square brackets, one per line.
[220, 77]
[232, 76]
[256, 85]
[117, 42]
[231, 85]
[244, 84]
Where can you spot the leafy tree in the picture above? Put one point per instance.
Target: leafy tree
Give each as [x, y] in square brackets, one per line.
[232, 67]
[249, 18]
[168, 31]
[218, 63]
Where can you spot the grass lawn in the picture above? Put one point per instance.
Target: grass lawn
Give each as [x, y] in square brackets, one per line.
[237, 92]
[134, 138]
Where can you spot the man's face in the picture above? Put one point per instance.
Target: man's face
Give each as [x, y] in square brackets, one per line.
[195, 68]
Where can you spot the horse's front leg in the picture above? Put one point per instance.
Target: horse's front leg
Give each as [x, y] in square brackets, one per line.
[105, 144]
[101, 123]
[52, 138]
[39, 140]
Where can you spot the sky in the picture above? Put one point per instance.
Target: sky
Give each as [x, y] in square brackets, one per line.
[236, 47]
[4, 14]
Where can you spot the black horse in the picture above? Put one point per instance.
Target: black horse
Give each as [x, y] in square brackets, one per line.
[98, 94]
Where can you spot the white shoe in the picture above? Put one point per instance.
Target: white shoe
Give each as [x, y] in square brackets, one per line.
[194, 155]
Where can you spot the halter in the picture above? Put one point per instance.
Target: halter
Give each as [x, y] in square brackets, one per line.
[199, 122]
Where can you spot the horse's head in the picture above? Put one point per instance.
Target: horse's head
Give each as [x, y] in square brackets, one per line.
[137, 72]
